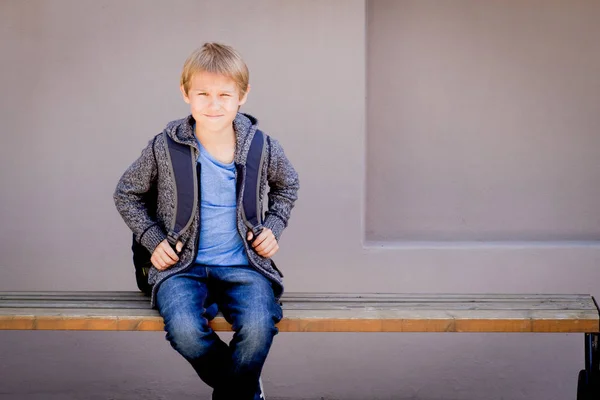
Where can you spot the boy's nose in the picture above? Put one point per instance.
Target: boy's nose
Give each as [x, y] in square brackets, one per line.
[215, 103]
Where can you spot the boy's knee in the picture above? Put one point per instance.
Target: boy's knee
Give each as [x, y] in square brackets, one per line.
[191, 344]
[190, 337]
[253, 342]
[258, 332]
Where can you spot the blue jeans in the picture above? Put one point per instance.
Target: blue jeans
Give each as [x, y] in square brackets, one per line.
[246, 299]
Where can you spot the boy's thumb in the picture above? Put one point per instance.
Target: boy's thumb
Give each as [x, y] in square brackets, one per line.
[249, 236]
[179, 246]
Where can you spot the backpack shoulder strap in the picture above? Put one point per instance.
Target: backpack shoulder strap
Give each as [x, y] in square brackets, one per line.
[183, 170]
[252, 207]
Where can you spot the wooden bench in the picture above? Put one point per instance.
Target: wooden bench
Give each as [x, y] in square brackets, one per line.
[335, 312]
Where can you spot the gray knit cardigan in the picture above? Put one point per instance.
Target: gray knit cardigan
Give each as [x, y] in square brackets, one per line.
[152, 168]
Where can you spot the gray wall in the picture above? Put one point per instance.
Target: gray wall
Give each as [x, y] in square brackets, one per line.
[468, 168]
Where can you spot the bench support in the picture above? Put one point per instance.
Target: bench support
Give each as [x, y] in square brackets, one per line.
[588, 385]
[592, 354]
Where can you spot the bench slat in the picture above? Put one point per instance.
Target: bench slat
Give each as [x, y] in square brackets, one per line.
[324, 296]
[318, 312]
[312, 323]
[332, 314]
[377, 298]
[313, 305]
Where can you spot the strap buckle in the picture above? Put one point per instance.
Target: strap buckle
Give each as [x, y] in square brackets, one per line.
[256, 230]
[172, 238]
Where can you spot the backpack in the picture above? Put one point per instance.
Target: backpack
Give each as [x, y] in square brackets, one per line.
[186, 173]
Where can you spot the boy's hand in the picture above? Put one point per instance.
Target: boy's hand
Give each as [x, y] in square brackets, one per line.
[164, 256]
[265, 244]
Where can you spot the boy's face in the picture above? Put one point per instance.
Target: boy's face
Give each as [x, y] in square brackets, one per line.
[214, 100]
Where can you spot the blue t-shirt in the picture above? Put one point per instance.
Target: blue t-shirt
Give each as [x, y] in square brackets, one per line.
[220, 244]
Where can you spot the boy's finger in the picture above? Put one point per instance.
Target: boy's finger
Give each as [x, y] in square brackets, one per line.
[157, 262]
[169, 252]
[179, 247]
[260, 238]
[266, 244]
[164, 259]
[249, 235]
[258, 244]
[268, 248]
[272, 252]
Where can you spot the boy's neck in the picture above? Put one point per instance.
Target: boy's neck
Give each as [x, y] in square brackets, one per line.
[219, 144]
[206, 136]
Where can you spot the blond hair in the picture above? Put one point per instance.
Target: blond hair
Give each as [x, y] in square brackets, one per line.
[219, 59]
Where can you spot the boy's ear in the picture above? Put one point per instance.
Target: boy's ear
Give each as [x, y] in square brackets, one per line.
[245, 97]
[185, 96]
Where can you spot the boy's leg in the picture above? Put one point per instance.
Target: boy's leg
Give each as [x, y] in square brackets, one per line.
[246, 299]
[181, 301]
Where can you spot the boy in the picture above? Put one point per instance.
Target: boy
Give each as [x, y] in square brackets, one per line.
[217, 257]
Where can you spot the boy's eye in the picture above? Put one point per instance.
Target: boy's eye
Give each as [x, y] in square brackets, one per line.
[202, 94]
[225, 95]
